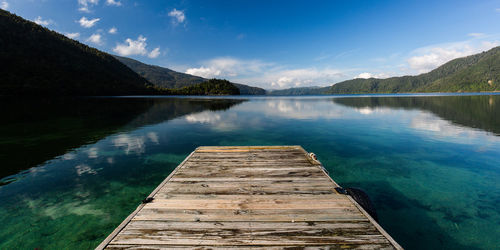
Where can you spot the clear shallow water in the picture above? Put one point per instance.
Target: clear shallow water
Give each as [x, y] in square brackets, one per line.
[72, 170]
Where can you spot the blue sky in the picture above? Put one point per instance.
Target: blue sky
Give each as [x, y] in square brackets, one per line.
[276, 44]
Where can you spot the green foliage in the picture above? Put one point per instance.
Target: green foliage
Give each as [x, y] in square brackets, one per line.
[38, 61]
[249, 90]
[300, 91]
[167, 78]
[210, 87]
[159, 76]
[479, 72]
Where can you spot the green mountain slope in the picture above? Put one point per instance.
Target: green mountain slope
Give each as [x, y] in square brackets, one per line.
[210, 87]
[479, 72]
[162, 77]
[37, 61]
[167, 78]
[300, 91]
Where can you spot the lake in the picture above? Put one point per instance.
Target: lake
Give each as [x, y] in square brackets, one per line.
[73, 169]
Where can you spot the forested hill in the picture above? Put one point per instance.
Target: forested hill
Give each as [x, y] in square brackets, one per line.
[37, 61]
[475, 73]
[167, 78]
[300, 91]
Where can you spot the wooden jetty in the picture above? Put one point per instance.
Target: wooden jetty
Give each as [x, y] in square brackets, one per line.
[269, 197]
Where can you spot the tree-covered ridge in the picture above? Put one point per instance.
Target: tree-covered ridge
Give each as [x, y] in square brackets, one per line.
[38, 61]
[300, 91]
[479, 72]
[210, 87]
[159, 76]
[167, 78]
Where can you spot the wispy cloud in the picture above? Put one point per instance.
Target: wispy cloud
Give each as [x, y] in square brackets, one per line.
[113, 2]
[88, 23]
[431, 57]
[476, 34]
[42, 22]
[95, 39]
[4, 5]
[154, 53]
[267, 75]
[113, 30]
[227, 67]
[72, 35]
[366, 75]
[178, 16]
[136, 47]
[84, 5]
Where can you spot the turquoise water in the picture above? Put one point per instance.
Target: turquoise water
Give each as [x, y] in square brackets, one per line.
[74, 169]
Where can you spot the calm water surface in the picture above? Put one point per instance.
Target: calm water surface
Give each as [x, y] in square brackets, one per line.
[72, 170]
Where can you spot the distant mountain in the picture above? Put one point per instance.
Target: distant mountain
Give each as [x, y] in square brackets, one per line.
[167, 78]
[162, 77]
[249, 90]
[38, 61]
[299, 91]
[479, 72]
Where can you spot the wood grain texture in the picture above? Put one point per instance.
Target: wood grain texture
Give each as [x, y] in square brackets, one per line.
[249, 197]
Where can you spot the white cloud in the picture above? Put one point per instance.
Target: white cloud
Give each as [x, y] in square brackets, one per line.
[132, 47]
[258, 73]
[88, 23]
[136, 47]
[366, 75]
[85, 4]
[95, 39]
[429, 58]
[227, 66]
[113, 2]
[113, 30]
[178, 16]
[4, 5]
[42, 22]
[497, 10]
[72, 35]
[476, 34]
[154, 53]
[304, 77]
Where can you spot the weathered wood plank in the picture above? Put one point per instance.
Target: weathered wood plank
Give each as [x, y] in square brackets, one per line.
[245, 215]
[307, 197]
[264, 187]
[162, 225]
[264, 197]
[254, 179]
[304, 247]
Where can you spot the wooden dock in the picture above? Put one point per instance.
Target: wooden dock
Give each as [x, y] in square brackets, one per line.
[269, 197]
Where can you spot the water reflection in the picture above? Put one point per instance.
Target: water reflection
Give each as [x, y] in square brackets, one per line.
[480, 111]
[427, 162]
[36, 130]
